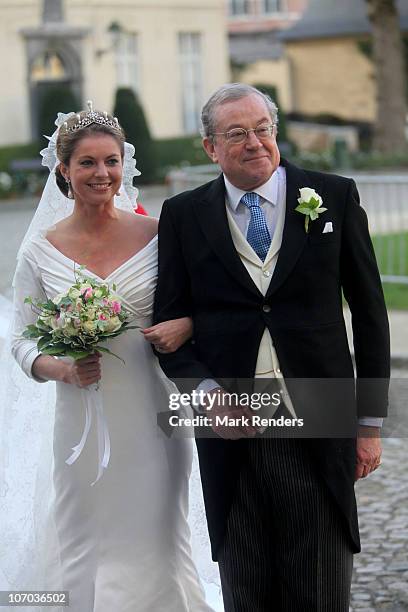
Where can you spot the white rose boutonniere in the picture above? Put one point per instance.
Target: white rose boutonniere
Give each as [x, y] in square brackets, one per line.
[310, 205]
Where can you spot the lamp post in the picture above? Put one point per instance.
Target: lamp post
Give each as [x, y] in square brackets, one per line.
[114, 30]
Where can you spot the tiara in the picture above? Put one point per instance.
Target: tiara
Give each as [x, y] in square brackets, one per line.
[91, 117]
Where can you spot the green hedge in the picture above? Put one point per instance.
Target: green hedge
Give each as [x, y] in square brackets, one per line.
[130, 114]
[379, 161]
[24, 151]
[173, 152]
[56, 98]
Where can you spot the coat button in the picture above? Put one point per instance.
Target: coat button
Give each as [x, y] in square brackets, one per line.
[266, 308]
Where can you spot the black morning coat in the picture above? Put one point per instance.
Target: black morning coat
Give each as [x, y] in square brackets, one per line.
[201, 275]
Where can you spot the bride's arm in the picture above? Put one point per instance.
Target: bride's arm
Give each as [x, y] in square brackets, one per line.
[42, 367]
[168, 336]
[26, 283]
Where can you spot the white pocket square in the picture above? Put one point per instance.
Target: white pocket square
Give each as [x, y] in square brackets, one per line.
[328, 227]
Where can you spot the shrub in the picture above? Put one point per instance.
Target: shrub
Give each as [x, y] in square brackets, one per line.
[55, 99]
[23, 182]
[23, 151]
[314, 161]
[131, 116]
[379, 161]
[182, 151]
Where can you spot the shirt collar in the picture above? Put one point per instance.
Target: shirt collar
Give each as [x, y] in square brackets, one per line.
[268, 191]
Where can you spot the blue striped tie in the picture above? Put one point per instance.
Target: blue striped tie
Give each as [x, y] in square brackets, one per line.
[258, 234]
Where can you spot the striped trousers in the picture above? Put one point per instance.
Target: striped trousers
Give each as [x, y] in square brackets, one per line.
[286, 548]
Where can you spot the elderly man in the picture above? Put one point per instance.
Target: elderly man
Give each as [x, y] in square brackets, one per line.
[263, 281]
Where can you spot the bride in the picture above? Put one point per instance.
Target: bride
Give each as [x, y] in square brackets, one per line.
[122, 544]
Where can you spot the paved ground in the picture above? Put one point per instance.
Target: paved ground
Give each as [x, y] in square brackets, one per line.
[380, 580]
[381, 571]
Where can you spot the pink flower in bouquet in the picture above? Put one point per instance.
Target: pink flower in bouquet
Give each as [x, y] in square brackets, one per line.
[116, 307]
[88, 293]
[102, 317]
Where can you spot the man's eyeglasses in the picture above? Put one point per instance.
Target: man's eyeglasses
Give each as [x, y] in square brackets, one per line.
[239, 135]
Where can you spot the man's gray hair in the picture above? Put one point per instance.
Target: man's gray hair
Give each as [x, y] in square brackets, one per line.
[227, 93]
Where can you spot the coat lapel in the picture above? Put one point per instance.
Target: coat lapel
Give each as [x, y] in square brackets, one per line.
[212, 216]
[294, 236]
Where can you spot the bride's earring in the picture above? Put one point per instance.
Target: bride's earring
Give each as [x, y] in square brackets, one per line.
[70, 193]
[118, 192]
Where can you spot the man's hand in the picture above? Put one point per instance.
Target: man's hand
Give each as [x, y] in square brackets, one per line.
[368, 451]
[222, 407]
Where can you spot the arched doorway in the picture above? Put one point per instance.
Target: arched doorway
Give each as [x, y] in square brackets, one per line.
[54, 75]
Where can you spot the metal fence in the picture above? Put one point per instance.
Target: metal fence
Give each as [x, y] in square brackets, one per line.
[384, 197]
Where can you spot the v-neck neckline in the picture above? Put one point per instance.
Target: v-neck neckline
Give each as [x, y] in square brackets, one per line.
[117, 269]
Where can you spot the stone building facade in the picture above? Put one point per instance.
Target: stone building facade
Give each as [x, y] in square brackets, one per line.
[316, 52]
[329, 51]
[257, 54]
[172, 53]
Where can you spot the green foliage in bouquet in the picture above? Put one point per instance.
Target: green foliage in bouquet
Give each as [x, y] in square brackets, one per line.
[74, 323]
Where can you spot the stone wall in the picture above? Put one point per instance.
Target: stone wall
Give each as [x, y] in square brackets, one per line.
[332, 76]
[14, 101]
[271, 72]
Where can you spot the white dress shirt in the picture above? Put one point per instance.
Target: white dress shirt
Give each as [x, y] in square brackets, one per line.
[272, 197]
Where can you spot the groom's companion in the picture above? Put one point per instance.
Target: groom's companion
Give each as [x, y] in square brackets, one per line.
[263, 275]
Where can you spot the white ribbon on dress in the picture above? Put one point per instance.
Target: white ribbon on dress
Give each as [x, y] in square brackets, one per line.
[93, 402]
[92, 398]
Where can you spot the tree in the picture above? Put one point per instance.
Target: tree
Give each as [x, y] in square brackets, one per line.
[131, 117]
[388, 56]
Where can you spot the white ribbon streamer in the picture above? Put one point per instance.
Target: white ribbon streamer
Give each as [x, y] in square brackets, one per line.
[103, 440]
[81, 444]
[93, 402]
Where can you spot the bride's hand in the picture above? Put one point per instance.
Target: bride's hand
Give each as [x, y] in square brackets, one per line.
[168, 336]
[84, 372]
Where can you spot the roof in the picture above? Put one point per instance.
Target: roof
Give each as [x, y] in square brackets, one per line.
[329, 18]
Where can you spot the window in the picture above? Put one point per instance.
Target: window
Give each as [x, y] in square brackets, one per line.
[127, 61]
[273, 6]
[239, 7]
[191, 80]
[48, 66]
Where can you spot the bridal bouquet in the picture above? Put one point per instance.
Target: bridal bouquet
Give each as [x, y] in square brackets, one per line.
[74, 323]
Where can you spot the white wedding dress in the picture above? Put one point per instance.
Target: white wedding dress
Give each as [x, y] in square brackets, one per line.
[124, 543]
